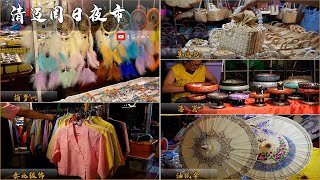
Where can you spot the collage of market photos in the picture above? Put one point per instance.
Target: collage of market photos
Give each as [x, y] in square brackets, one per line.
[160, 89]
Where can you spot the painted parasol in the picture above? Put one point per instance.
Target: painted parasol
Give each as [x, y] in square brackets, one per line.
[312, 170]
[218, 146]
[284, 147]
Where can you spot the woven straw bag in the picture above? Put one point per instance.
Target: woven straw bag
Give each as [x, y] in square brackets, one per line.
[200, 14]
[289, 15]
[216, 14]
[244, 40]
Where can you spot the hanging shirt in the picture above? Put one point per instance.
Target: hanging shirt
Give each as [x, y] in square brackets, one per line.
[80, 151]
[182, 77]
[118, 157]
[9, 111]
[58, 125]
[109, 149]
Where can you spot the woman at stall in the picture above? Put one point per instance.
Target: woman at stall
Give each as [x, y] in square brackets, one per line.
[183, 73]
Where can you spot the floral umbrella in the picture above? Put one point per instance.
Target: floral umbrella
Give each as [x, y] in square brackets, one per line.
[218, 147]
[312, 169]
[284, 147]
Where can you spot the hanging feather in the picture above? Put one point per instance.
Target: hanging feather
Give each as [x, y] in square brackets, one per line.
[122, 51]
[76, 61]
[102, 73]
[53, 80]
[29, 58]
[55, 45]
[27, 38]
[114, 42]
[68, 78]
[92, 59]
[140, 62]
[47, 64]
[132, 50]
[87, 77]
[155, 65]
[114, 73]
[63, 58]
[91, 42]
[116, 56]
[39, 81]
[148, 46]
[156, 48]
[132, 71]
[107, 55]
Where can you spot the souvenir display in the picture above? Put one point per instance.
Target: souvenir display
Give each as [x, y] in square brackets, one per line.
[294, 84]
[280, 94]
[310, 92]
[217, 100]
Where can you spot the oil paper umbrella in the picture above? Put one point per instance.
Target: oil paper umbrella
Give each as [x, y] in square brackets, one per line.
[312, 170]
[218, 146]
[284, 147]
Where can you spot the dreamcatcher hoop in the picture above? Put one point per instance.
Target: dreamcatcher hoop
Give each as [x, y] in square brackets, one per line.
[126, 20]
[153, 16]
[139, 17]
[84, 26]
[45, 29]
[111, 23]
[66, 28]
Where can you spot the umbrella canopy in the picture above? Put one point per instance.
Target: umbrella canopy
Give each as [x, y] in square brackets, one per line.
[284, 147]
[218, 147]
[312, 169]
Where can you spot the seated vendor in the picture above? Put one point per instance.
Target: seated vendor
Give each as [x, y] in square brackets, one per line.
[183, 73]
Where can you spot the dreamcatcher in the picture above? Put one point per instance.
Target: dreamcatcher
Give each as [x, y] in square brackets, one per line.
[126, 20]
[139, 17]
[284, 147]
[153, 16]
[218, 147]
[86, 76]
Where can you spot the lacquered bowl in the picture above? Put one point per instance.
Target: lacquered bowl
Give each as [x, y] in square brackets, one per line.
[285, 91]
[232, 82]
[309, 91]
[309, 85]
[294, 83]
[217, 96]
[238, 96]
[265, 84]
[196, 97]
[255, 95]
[203, 87]
[234, 88]
[267, 77]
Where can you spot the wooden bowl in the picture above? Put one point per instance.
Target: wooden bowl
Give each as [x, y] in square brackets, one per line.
[196, 97]
[267, 77]
[309, 91]
[294, 83]
[276, 91]
[238, 96]
[232, 82]
[217, 96]
[255, 95]
[200, 87]
[309, 85]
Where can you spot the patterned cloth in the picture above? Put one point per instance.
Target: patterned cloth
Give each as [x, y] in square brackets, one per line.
[310, 21]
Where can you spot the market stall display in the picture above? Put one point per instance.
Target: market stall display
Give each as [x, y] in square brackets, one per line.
[310, 92]
[215, 142]
[259, 97]
[138, 90]
[284, 147]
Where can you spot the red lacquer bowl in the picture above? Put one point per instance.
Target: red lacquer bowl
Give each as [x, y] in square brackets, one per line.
[285, 91]
[200, 87]
[255, 95]
[196, 97]
[309, 91]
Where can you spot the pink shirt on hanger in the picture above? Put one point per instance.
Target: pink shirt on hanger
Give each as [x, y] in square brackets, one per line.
[80, 151]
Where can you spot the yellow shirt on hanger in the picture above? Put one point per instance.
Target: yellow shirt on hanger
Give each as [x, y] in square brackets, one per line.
[118, 157]
[182, 77]
[109, 148]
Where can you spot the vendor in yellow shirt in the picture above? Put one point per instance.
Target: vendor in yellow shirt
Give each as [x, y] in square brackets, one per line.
[183, 73]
